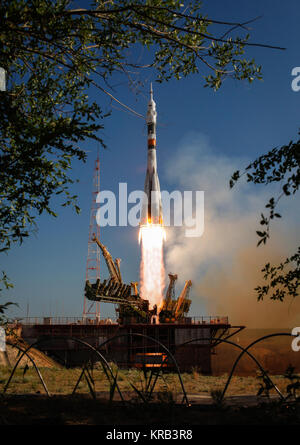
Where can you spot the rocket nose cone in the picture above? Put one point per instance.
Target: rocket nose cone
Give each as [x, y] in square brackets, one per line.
[151, 104]
[151, 110]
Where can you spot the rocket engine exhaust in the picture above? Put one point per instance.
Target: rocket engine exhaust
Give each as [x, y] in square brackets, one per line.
[152, 264]
[152, 233]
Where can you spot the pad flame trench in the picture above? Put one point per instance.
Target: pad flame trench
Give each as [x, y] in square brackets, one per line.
[152, 270]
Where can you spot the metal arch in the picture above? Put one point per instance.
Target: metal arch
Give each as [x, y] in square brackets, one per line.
[104, 361]
[88, 379]
[45, 340]
[131, 334]
[244, 350]
[34, 364]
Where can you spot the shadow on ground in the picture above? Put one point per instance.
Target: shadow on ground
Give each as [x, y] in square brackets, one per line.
[78, 410]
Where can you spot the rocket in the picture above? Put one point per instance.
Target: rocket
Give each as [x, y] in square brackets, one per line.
[151, 207]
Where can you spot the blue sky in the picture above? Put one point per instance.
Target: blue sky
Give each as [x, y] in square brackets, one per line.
[239, 122]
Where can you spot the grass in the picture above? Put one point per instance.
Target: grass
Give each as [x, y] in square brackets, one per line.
[62, 382]
[32, 409]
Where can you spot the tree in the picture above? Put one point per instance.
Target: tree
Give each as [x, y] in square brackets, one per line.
[3, 307]
[53, 54]
[278, 165]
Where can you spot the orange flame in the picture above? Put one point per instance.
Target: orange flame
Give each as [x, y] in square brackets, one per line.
[152, 270]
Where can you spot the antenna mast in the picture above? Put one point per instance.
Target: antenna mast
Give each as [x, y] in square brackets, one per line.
[92, 309]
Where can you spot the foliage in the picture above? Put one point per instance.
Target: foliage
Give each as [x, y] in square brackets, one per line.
[44, 115]
[3, 307]
[281, 282]
[217, 397]
[294, 384]
[278, 165]
[265, 386]
[54, 55]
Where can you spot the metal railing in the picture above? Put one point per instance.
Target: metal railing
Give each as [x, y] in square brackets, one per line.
[215, 319]
[30, 321]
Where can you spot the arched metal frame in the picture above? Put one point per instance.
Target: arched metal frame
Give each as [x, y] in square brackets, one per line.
[47, 340]
[133, 334]
[33, 362]
[245, 351]
[113, 379]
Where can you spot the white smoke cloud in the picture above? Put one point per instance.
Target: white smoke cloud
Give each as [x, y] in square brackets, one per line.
[224, 264]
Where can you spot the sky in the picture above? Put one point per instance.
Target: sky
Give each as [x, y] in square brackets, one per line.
[202, 137]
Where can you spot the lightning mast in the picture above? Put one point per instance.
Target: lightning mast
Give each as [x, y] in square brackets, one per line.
[92, 309]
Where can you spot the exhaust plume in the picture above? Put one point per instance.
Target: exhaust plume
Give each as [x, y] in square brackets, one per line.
[224, 263]
[152, 272]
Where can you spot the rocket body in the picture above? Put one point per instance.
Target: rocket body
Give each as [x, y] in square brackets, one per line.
[151, 207]
[151, 233]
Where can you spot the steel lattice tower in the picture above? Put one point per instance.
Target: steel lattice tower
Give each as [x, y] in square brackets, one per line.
[92, 309]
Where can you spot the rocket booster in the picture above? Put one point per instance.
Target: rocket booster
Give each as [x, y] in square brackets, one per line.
[151, 207]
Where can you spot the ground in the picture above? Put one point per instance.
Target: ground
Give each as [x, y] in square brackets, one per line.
[78, 410]
[62, 381]
[25, 402]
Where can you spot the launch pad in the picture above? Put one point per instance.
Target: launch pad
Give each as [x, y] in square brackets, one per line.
[192, 341]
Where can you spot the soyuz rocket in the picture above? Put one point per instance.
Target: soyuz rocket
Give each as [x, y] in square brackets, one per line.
[151, 207]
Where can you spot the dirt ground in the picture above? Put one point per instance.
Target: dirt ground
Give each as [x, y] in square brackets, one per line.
[81, 410]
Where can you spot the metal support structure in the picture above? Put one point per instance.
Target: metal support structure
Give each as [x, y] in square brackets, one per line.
[92, 309]
[150, 382]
